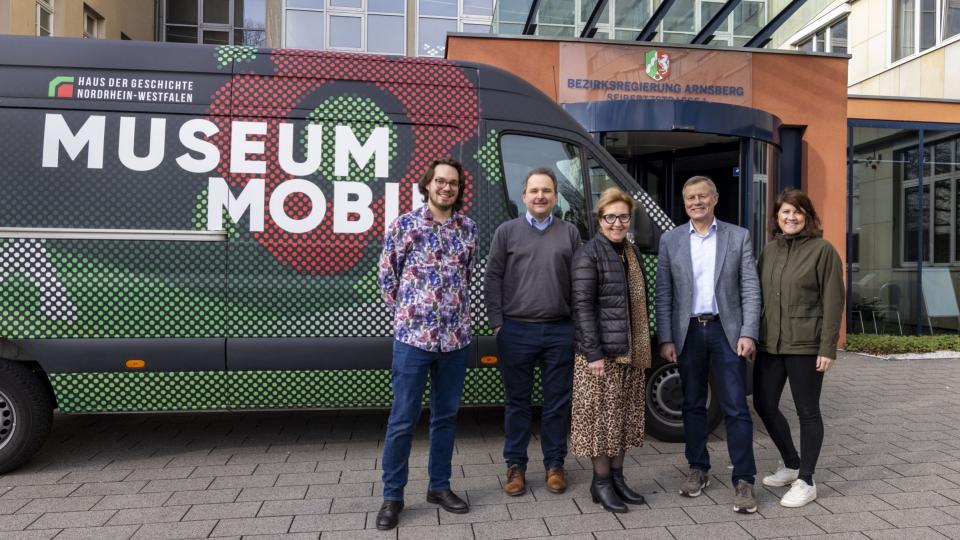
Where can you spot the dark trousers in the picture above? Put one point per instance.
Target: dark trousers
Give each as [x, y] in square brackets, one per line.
[769, 375]
[707, 352]
[520, 345]
[410, 369]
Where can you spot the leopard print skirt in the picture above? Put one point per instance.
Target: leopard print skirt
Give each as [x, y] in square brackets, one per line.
[608, 411]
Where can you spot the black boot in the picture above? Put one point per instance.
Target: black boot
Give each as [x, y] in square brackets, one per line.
[622, 490]
[602, 491]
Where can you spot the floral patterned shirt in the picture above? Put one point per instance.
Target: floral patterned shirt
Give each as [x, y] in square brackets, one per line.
[424, 274]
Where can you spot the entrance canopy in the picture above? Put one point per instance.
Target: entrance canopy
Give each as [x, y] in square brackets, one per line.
[734, 23]
[676, 116]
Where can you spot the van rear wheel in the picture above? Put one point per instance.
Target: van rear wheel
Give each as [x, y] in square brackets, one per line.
[26, 414]
[664, 419]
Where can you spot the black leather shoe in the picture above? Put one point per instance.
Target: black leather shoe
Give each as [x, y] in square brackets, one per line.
[622, 490]
[601, 489]
[448, 500]
[389, 515]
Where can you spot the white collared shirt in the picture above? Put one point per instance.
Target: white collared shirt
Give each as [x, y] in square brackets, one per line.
[703, 254]
[540, 225]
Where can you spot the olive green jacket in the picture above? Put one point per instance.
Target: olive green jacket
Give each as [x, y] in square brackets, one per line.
[801, 279]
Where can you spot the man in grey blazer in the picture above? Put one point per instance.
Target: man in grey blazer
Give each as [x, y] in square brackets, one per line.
[708, 319]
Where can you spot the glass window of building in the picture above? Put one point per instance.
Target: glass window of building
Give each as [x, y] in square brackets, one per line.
[915, 32]
[92, 24]
[905, 241]
[345, 32]
[304, 29]
[831, 38]
[44, 17]
[432, 35]
[951, 18]
[386, 34]
[216, 22]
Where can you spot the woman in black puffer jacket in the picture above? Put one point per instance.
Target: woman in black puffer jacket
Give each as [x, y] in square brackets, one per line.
[613, 350]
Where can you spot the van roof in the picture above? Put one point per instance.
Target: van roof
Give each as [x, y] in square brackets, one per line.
[503, 96]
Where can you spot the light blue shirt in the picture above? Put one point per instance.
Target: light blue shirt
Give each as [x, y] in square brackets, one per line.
[703, 252]
[542, 226]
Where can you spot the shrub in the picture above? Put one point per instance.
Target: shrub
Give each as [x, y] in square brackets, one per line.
[883, 344]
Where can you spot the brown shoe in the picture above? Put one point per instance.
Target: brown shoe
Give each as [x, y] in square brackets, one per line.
[516, 481]
[556, 480]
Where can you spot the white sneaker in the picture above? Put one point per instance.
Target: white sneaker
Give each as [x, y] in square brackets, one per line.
[782, 477]
[800, 494]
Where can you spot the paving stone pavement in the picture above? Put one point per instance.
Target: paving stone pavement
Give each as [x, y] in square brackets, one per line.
[890, 468]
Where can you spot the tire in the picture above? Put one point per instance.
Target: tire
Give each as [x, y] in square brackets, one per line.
[26, 414]
[664, 397]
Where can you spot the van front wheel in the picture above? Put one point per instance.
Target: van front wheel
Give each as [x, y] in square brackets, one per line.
[26, 413]
[664, 397]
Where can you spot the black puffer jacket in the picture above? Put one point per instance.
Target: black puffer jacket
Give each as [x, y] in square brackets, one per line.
[601, 302]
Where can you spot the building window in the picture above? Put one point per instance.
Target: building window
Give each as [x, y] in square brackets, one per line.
[831, 38]
[915, 27]
[376, 26]
[216, 22]
[436, 18]
[44, 17]
[939, 197]
[92, 24]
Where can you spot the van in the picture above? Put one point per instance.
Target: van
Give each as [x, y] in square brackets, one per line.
[196, 228]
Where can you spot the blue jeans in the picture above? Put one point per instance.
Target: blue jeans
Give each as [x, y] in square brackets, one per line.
[520, 345]
[706, 351]
[410, 369]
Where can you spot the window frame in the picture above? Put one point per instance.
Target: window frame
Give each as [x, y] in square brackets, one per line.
[939, 40]
[363, 13]
[461, 18]
[90, 15]
[231, 27]
[44, 6]
[810, 35]
[930, 181]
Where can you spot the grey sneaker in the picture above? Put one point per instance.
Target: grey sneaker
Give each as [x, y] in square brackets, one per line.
[743, 500]
[695, 482]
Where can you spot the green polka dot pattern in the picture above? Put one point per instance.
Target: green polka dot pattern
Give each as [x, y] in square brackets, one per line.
[227, 54]
[488, 157]
[127, 391]
[363, 115]
[650, 275]
[219, 390]
[111, 288]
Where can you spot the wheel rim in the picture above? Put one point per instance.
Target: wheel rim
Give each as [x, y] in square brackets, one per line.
[665, 396]
[8, 420]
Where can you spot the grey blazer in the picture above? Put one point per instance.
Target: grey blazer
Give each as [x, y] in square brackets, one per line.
[736, 285]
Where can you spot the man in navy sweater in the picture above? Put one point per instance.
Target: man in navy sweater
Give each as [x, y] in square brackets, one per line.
[527, 292]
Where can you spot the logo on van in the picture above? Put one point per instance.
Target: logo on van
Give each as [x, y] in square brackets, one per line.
[658, 65]
[61, 87]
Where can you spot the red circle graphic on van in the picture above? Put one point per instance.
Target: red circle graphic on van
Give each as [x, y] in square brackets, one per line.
[441, 106]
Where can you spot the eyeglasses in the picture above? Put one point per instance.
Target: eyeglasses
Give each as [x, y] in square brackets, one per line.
[446, 183]
[612, 218]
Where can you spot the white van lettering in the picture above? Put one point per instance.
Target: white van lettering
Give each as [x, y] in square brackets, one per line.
[219, 197]
[125, 151]
[344, 206]
[318, 205]
[190, 141]
[314, 152]
[56, 133]
[377, 146]
[241, 146]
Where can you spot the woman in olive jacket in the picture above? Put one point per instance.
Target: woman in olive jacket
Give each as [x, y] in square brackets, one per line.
[801, 276]
[613, 349]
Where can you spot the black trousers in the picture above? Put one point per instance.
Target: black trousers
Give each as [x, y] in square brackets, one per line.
[770, 373]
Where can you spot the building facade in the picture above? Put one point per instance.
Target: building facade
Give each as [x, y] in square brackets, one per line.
[97, 19]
